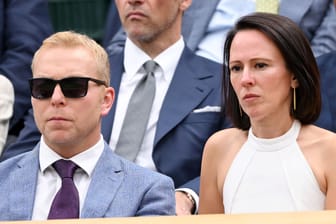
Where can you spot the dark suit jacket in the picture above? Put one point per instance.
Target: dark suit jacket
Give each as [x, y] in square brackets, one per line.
[327, 67]
[112, 24]
[181, 133]
[23, 27]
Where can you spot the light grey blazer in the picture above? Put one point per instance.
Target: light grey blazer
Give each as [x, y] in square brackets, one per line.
[317, 18]
[118, 188]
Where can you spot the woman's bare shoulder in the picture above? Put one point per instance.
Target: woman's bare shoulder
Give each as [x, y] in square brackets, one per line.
[312, 134]
[227, 139]
[319, 147]
[318, 142]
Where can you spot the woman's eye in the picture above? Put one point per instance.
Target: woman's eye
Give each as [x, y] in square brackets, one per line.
[235, 68]
[261, 65]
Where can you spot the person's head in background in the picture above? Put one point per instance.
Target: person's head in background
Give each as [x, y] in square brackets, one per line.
[152, 21]
[68, 112]
[270, 54]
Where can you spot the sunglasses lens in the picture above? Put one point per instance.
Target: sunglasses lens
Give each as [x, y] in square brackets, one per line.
[74, 87]
[42, 88]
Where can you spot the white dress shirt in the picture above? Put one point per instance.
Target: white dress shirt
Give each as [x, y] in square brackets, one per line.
[49, 182]
[134, 59]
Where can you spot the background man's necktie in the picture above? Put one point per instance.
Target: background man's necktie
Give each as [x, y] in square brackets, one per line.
[66, 202]
[137, 115]
[271, 6]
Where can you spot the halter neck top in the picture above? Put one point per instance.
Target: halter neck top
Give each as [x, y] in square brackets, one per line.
[271, 175]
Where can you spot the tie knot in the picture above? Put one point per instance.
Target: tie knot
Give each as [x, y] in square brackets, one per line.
[149, 66]
[65, 168]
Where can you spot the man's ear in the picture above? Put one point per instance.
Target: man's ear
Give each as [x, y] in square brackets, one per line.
[185, 4]
[107, 101]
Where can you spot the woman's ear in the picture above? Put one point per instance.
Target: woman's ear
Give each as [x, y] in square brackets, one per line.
[294, 82]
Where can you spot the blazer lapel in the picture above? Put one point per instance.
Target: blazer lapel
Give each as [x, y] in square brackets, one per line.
[186, 92]
[23, 180]
[106, 180]
[290, 9]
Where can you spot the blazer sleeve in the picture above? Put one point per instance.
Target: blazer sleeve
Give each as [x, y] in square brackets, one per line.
[159, 199]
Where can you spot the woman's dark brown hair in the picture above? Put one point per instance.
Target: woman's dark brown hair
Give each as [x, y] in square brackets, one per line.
[300, 61]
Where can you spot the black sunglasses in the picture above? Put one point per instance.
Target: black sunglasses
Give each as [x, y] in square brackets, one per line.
[72, 87]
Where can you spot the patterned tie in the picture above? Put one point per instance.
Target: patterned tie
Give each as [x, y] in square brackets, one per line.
[66, 202]
[270, 6]
[137, 115]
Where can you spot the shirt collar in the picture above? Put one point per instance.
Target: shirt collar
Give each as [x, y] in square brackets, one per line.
[136, 57]
[86, 160]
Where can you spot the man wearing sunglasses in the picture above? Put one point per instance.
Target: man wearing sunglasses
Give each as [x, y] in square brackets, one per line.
[70, 95]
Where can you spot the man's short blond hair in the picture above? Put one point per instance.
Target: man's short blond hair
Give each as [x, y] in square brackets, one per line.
[70, 39]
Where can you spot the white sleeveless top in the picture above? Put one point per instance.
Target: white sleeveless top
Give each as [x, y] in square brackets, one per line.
[271, 175]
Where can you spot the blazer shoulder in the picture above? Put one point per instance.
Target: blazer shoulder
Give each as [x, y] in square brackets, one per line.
[13, 161]
[12, 164]
[198, 62]
[328, 59]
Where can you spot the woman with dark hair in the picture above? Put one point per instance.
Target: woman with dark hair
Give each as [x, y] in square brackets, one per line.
[275, 159]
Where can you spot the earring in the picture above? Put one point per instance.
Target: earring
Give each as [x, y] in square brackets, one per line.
[294, 99]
